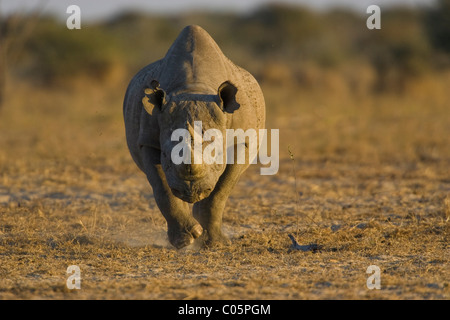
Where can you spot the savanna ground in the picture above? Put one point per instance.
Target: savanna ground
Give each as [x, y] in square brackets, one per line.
[373, 189]
[367, 183]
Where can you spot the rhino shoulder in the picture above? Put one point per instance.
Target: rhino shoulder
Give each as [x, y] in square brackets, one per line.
[250, 92]
[133, 107]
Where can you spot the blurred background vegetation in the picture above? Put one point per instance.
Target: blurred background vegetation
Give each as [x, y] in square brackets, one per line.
[327, 67]
[279, 44]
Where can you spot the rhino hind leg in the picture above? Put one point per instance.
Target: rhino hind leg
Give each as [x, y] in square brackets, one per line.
[183, 229]
[209, 211]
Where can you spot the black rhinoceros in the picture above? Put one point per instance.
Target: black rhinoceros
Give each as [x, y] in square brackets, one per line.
[193, 82]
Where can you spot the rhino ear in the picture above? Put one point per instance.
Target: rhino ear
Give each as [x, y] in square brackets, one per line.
[154, 97]
[227, 94]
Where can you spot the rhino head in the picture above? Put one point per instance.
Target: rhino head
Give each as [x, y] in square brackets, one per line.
[191, 181]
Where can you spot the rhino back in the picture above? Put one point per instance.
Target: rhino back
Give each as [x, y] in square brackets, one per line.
[195, 63]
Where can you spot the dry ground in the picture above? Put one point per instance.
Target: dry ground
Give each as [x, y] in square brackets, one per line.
[369, 184]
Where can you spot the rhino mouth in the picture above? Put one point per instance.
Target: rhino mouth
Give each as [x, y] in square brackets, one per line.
[190, 187]
[190, 196]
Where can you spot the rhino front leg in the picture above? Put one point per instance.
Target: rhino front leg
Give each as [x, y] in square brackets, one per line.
[209, 211]
[182, 227]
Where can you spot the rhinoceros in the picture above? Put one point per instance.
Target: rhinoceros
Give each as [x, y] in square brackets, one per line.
[194, 81]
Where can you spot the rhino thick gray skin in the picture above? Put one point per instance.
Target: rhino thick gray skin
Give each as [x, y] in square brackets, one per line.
[193, 82]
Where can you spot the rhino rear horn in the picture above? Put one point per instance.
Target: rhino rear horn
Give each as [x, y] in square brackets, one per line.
[154, 96]
[227, 94]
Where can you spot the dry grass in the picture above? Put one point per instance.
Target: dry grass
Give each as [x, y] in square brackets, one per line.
[372, 173]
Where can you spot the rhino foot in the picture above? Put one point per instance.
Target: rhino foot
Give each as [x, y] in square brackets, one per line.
[215, 238]
[182, 237]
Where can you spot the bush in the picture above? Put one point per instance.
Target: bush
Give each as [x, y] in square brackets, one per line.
[399, 52]
[56, 54]
[437, 21]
